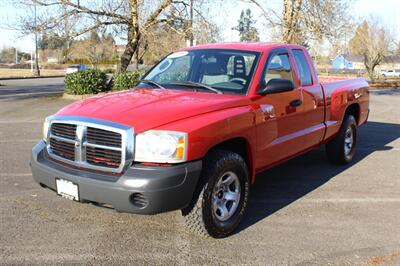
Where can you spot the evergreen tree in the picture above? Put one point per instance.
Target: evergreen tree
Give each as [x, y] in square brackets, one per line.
[246, 28]
[50, 41]
[108, 38]
[94, 36]
[43, 42]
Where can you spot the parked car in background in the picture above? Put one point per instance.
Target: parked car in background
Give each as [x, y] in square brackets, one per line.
[390, 73]
[75, 68]
[193, 134]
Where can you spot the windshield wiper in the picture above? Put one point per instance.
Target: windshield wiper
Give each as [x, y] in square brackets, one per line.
[198, 85]
[153, 83]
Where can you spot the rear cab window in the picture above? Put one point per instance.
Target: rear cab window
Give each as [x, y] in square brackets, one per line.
[303, 67]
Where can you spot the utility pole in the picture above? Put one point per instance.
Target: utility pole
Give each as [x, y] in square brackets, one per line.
[191, 22]
[36, 73]
[16, 55]
[31, 61]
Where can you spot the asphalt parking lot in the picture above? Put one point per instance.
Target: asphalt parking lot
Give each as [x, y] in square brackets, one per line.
[304, 212]
[18, 89]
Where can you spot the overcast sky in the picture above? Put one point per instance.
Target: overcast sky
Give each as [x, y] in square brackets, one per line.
[385, 10]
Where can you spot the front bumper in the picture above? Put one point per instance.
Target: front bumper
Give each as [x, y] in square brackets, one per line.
[161, 188]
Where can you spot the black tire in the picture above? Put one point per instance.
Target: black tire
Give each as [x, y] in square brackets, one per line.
[336, 150]
[200, 217]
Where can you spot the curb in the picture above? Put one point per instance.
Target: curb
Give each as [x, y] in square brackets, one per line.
[42, 77]
[67, 96]
[382, 85]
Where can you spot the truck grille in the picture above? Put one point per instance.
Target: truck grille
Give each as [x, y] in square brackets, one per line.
[63, 149]
[103, 157]
[103, 137]
[64, 130]
[91, 145]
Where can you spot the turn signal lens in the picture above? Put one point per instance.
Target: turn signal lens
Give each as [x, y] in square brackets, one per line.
[46, 126]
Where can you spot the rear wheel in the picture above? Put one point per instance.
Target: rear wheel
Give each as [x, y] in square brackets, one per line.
[342, 148]
[222, 196]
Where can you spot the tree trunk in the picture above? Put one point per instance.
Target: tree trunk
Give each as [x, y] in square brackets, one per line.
[133, 37]
[286, 18]
[291, 10]
[127, 56]
[137, 57]
[372, 63]
[370, 70]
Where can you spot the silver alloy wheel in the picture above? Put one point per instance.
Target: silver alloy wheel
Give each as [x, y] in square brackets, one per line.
[226, 196]
[348, 141]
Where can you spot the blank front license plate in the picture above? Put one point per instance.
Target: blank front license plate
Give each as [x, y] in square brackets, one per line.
[67, 189]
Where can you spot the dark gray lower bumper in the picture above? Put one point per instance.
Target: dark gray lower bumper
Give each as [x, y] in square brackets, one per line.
[162, 188]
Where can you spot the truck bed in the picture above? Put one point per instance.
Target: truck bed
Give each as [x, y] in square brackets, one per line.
[340, 92]
[326, 79]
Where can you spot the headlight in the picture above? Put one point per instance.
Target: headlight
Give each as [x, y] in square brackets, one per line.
[160, 146]
[46, 126]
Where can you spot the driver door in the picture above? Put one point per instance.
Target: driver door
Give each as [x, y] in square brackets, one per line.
[279, 134]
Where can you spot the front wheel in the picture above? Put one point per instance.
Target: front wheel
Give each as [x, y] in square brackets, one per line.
[342, 148]
[222, 196]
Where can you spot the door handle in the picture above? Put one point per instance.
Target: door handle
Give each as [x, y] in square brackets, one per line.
[296, 103]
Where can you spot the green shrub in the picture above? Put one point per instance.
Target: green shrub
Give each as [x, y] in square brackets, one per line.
[109, 70]
[90, 81]
[127, 80]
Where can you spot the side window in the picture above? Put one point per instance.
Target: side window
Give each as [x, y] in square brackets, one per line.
[278, 68]
[304, 69]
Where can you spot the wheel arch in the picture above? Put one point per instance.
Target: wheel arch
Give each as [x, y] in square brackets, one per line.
[241, 146]
[354, 110]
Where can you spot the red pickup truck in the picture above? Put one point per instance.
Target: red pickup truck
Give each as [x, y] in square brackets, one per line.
[193, 134]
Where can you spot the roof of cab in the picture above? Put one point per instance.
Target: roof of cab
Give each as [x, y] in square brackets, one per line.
[249, 46]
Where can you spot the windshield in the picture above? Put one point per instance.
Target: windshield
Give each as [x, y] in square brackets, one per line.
[227, 71]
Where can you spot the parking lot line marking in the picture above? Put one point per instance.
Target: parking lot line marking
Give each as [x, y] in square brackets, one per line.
[18, 140]
[377, 150]
[24, 93]
[22, 122]
[15, 174]
[345, 200]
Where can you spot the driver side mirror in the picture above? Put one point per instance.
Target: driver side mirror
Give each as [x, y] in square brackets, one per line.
[276, 86]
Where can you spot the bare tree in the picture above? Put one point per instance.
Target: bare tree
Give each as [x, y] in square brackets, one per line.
[132, 18]
[301, 21]
[397, 51]
[179, 26]
[188, 19]
[371, 41]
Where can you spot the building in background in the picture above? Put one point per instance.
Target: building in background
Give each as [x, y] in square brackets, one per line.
[356, 62]
[391, 63]
[347, 62]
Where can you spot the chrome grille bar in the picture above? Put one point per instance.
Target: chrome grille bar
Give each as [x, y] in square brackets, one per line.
[87, 144]
[62, 139]
[79, 152]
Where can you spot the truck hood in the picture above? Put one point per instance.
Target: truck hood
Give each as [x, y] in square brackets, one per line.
[145, 109]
